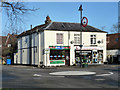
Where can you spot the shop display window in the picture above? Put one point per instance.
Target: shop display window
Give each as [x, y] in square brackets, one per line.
[57, 54]
[86, 55]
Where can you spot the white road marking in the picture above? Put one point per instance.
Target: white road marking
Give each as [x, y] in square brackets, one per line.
[73, 73]
[37, 75]
[110, 73]
[53, 76]
[28, 69]
[100, 79]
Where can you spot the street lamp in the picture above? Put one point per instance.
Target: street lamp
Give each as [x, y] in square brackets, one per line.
[80, 9]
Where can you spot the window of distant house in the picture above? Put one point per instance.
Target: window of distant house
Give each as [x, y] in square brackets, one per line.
[59, 38]
[93, 39]
[0, 45]
[116, 39]
[77, 38]
[9, 45]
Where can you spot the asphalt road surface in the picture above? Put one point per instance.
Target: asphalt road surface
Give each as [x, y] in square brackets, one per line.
[17, 76]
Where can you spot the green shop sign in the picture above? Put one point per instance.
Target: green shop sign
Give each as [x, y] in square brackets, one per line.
[57, 62]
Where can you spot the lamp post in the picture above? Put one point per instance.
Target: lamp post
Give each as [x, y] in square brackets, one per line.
[80, 9]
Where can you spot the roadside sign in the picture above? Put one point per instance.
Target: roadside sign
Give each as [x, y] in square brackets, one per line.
[84, 21]
[47, 50]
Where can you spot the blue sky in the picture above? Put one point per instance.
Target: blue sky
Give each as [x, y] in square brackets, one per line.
[99, 14]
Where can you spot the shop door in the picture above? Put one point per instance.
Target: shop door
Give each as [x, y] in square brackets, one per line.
[67, 57]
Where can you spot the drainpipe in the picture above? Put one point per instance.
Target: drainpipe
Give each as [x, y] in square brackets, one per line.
[30, 46]
[39, 51]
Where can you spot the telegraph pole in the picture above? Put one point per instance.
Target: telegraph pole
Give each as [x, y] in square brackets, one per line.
[80, 9]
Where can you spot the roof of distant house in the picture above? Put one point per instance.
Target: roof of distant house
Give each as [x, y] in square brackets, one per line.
[4, 40]
[61, 26]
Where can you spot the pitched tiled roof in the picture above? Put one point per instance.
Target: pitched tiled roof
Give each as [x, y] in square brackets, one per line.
[3, 40]
[66, 26]
[113, 41]
[62, 26]
[32, 30]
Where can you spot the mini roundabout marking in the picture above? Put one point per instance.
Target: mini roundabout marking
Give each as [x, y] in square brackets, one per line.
[65, 73]
[109, 73]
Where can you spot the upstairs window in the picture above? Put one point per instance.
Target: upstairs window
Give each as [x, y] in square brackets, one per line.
[59, 38]
[93, 39]
[77, 38]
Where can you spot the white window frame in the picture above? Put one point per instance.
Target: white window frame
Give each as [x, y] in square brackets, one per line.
[59, 38]
[77, 38]
[93, 39]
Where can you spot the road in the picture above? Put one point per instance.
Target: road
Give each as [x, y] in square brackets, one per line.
[17, 76]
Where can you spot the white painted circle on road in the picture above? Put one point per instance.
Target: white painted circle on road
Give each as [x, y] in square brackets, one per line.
[73, 73]
[37, 75]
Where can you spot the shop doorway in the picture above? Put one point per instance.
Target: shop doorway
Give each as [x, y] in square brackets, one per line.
[67, 57]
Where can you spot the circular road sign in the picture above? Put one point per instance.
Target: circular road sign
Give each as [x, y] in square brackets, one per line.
[84, 21]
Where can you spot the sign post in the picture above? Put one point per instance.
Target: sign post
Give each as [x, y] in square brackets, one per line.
[84, 22]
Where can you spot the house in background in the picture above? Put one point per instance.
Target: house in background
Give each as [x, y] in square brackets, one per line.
[8, 46]
[2, 41]
[57, 43]
[113, 48]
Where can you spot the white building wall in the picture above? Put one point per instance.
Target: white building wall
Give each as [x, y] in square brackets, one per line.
[50, 40]
[19, 51]
[23, 50]
[42, 45]
[35, 45]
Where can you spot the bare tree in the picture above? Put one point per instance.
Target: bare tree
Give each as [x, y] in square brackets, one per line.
[115, 28]
[15, 12]
[103, 27]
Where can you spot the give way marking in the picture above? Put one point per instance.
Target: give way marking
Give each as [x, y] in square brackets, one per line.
[110, 73]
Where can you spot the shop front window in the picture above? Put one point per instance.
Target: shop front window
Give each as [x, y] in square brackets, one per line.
[57, 54]
[86, 55]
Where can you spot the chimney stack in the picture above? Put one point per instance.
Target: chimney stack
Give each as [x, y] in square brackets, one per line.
[47, 20]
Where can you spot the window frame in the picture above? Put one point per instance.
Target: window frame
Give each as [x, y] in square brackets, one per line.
[59, 38]
[93, 39]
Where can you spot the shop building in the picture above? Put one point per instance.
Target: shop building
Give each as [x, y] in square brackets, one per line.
[113, 48]
[57, 43]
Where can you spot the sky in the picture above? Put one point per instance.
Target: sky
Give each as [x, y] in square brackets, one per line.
[99, 14]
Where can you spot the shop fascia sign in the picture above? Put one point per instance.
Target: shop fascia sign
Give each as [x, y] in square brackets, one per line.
[59, 47]
[88, 48]
[57, 61]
